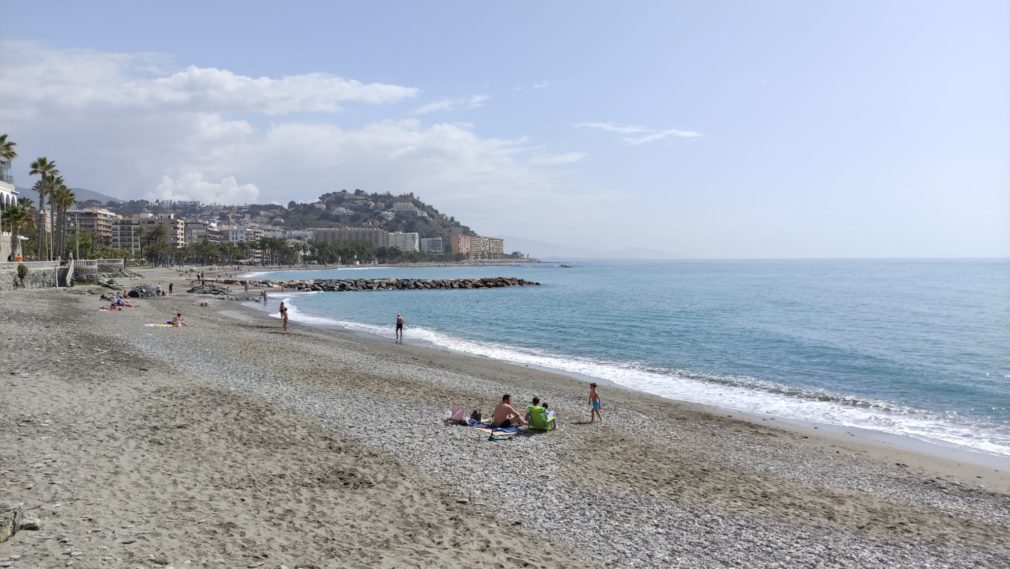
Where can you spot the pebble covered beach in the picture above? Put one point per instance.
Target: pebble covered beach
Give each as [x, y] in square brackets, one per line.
[231, 443]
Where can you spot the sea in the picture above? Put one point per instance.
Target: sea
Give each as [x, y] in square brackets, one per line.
[914, 348]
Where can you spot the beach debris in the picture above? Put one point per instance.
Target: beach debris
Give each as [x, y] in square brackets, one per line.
[10, 520]
[207, 288]
[31, 524]
[142, 291]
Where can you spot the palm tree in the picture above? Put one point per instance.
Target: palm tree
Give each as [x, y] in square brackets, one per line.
[7, 148]
[16, 218]
[46, 170]
[62, 197]
[154, 239]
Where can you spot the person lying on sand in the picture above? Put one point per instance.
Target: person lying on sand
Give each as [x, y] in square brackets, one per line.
[504, 414]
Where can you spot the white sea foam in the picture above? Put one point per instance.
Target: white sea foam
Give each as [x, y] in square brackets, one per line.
[743, 395]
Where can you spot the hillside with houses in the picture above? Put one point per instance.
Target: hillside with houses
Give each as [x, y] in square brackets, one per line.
[340, 227]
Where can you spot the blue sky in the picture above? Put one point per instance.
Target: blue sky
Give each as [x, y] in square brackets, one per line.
[706, 129]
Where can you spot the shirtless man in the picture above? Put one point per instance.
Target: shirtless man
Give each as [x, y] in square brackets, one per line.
[177, 320]
[505, 415]
[399, 328]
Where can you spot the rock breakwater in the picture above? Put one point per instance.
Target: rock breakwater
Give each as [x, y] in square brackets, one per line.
[342, 285]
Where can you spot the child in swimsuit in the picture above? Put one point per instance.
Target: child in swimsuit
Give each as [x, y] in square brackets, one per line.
[594, 400]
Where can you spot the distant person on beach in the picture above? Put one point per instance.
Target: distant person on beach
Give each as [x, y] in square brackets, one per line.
[504, 414]
[170, 287]
[594, 402]
[399, 328]
[177, 320]
[263, 294]
[284, 316]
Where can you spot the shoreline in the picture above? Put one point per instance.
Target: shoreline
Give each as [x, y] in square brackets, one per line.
[938, 449]
[659, 484]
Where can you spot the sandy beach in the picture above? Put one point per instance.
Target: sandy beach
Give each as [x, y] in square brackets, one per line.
[229, 443]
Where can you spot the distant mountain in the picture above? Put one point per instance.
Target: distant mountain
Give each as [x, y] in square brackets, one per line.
[553, 251]
[82, 194]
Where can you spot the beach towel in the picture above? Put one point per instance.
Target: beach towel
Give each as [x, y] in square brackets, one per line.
[158, 325]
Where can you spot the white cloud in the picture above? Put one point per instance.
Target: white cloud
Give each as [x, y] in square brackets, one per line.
[183, 140]
[535, 86]
[192, 186]
[670, 133]
[611, 127]
[557, 159]
[85, 79]
[473, 102]
[649, 134]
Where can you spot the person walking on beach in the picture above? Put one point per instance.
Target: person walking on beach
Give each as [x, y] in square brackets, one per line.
[263, 294]
[399, 328]
[594, 402]
[284, 316]
[170, 287]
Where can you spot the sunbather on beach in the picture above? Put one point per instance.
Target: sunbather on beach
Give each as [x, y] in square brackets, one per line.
[535, 403]
[505, 415]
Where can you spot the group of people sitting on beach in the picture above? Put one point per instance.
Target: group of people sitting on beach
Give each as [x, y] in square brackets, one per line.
[538, 414]
[505, 415]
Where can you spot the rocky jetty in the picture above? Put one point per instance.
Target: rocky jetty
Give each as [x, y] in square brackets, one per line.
[340, 285]
[208, 288]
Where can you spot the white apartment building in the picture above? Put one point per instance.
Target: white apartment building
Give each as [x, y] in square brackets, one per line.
[432, 245]
[404, 241]
[233, 235]
[374, 236]
[8, 199]
[127, 232]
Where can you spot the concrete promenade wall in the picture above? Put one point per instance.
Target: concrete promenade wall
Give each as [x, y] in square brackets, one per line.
[40, 275]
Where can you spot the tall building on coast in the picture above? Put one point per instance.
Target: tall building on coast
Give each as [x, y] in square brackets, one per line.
[8, 199]
[477, 247]
[94, 221]
[373, 236]
[128, 232]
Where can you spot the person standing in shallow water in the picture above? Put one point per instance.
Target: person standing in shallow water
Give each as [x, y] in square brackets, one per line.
[399, 328]
[284, 316]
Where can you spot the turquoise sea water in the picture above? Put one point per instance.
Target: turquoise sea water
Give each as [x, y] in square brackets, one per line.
[915, 348]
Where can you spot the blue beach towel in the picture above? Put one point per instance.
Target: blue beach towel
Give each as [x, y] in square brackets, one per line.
[486, 425]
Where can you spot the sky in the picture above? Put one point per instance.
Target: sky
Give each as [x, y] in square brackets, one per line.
[718, 129]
